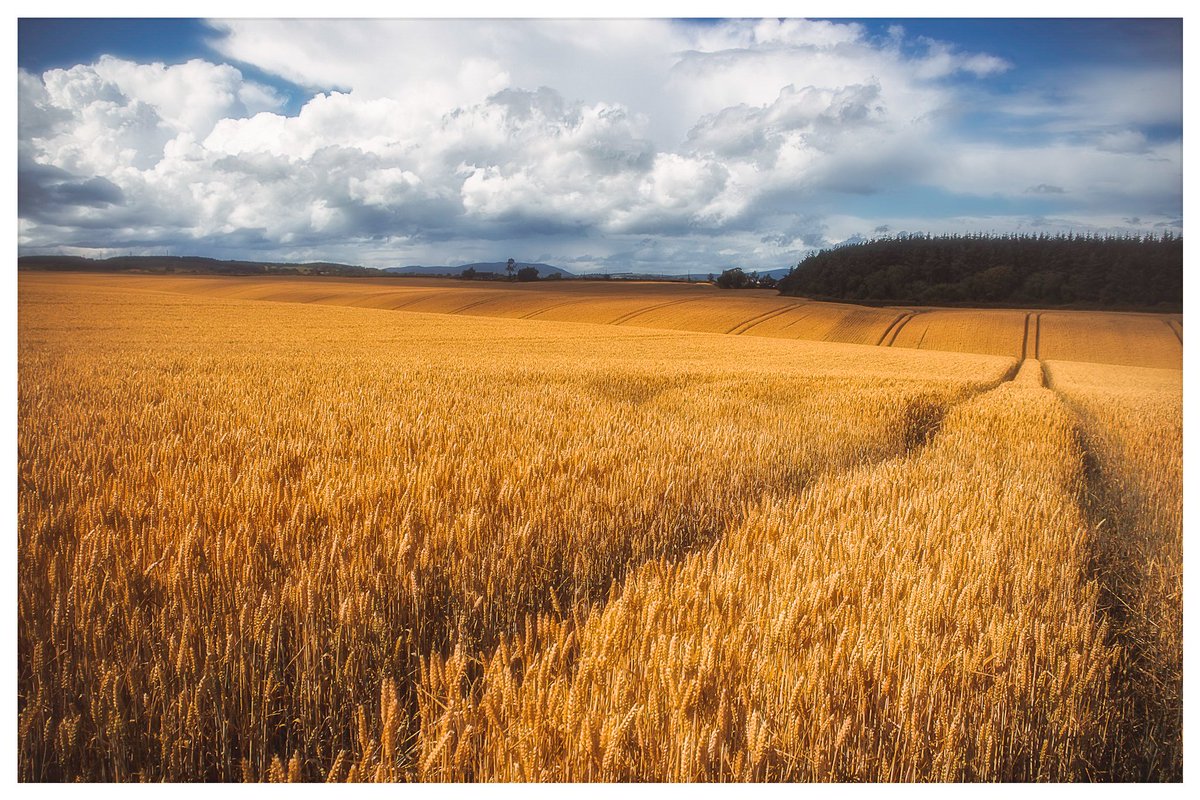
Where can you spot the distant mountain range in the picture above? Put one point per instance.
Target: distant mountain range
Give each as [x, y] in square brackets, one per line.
[187, 265]
[197, 265]
[497, 267]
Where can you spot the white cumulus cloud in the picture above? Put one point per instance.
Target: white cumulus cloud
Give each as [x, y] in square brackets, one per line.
[648, 140]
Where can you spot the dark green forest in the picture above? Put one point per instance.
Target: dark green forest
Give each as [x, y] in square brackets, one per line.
[1066, 270]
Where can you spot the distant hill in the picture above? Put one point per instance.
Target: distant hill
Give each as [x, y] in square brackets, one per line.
[1113, 272]
[197, 265]
[775, 273]
[188, 265]
[417, 270]
[695, 277]
[497, 267]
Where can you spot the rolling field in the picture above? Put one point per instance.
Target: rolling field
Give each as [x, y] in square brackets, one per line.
[1130, 339]
[305, 529]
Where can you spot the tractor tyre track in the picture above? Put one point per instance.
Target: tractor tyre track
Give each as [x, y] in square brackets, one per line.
[895, 328]
[551, 307]
[621, 320]
[1173, 326]
[742, 327]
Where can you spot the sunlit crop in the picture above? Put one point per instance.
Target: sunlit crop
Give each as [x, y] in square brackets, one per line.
[284, 531]
[1148, 340]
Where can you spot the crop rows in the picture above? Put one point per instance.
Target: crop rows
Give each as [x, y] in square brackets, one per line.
[295, 541]
[927, 617]
[1132, 423]
[242, 520]
[1092, 336]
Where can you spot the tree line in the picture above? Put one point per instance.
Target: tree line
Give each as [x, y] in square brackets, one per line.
[1007, 269]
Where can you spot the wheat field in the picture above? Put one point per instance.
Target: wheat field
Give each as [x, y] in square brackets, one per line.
[1104, 337]
[323, 530]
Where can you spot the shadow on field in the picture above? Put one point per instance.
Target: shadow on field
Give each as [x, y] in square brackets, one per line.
[1146, 682]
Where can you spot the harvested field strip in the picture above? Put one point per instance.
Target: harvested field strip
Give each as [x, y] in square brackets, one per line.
[856, 631]
[1025, 338]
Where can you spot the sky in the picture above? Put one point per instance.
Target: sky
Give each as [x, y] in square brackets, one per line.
[647, 145]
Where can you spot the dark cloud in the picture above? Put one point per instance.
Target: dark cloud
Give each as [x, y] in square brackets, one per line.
[260, 167]
[46, 193]
[35, 115]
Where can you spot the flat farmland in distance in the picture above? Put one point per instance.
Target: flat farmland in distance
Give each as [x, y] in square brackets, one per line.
[426, 530]
[1126, 338]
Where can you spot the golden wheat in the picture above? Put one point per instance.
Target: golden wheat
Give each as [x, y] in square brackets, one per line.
[307, 541]
[1150, 340]
[1138, 340]
[929, 616]
[1132, 423]
[997, 332]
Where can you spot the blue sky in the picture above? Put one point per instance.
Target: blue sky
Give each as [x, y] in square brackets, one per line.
[44, 44]
[641, 144]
